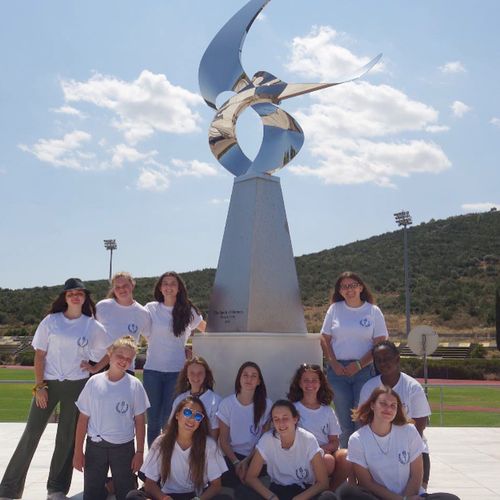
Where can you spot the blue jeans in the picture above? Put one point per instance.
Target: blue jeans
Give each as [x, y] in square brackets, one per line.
[346, 396]
[160, 390]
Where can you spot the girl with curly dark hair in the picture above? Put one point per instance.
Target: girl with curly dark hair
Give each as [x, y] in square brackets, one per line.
[312, 396]
[173, 319]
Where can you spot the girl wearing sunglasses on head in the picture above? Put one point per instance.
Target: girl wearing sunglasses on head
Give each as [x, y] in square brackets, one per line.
[312, 396]
[184, 459]
[352, 325]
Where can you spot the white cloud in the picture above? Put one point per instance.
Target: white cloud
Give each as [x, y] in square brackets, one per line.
[219, 201]
[377, 162]
[459, 109]
[66, 152]
[153, 179]
[452, 67]
[480, 207]
[124, 153]
[433, 129]
[68, 110]
[353, 130]
[194, 168]
[141, 107]
[495, 121]
[318, 55]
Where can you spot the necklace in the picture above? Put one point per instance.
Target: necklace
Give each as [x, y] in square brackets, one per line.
[384, 452]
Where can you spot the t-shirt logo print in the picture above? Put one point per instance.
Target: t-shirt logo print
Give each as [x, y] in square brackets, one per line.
[82, 341]
[132, 328]
[404, 457]
[121, 407]
[301, 473]
[326, 429]
[255, 430]
[365, 322]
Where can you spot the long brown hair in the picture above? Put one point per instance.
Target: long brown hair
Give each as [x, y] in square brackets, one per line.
[198, 445]
[260, 394]
[183, 384]
[364, 413]
[60, 304]
[324, 395]
[182, 313]
[365, 295]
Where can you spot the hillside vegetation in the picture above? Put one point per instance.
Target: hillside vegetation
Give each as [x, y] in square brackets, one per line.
[454, 268]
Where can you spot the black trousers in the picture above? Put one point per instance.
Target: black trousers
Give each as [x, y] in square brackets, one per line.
[101, 456]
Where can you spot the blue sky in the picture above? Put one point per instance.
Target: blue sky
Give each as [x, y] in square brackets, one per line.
[104, 133]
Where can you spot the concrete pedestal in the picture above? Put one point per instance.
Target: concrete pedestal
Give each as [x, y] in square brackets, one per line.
[277, 354]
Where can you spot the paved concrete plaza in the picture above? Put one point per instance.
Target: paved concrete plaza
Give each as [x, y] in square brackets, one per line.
[465, 461]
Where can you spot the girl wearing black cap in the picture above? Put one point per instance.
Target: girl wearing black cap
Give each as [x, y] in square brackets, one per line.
[65, 338]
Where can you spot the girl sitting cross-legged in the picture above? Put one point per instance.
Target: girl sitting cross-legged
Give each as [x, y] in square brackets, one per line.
[184, 462]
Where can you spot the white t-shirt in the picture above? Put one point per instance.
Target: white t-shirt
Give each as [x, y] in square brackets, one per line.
[121, 321]
[352, 329]
[166, 351]
[390, 467]
[410, 392]
[179, 480]
[67, 343]
[210, 401]
[112, 407]
[321, 422]
[292, 465]
[239, 418]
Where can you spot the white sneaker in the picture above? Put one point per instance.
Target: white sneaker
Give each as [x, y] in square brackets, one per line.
[57, 495]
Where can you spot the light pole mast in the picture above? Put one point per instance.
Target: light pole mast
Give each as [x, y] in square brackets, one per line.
[403, 218]
[110, 245]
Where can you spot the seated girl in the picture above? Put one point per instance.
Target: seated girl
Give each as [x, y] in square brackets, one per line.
[293, 458]
[312, 396]
[242, 420]
[196, 379]
[386, 452]
[184, 462]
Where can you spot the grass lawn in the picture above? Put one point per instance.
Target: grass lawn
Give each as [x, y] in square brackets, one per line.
[15, 399]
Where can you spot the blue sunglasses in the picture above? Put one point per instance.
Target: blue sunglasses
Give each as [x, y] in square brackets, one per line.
[188, 413]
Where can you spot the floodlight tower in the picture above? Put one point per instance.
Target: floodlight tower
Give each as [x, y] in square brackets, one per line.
[110, 245]
[403, 218]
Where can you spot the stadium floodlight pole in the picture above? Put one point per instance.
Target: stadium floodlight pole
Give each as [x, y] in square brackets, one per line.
[403, 218]
[110, 245]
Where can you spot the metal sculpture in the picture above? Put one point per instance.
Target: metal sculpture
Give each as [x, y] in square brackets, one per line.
[221, 70]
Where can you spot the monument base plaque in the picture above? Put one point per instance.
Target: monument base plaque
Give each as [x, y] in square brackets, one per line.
[277, 354]
[256, 287]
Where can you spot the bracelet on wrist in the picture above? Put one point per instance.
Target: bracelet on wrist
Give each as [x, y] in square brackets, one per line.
[272, 497]
[358, 364]
[39, 387]
[236, 462]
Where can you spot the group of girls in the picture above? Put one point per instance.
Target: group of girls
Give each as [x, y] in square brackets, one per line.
[290, 455]
[293, 448]
[71, 343]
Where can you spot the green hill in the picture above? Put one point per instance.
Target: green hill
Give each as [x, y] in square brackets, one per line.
[454, 268]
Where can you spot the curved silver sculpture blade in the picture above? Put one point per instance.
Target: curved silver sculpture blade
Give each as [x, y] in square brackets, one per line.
[220, 67]
[221, 70]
